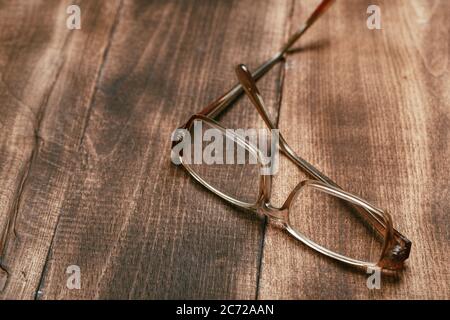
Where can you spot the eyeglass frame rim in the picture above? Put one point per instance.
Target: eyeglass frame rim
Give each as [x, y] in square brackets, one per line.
[281, 216]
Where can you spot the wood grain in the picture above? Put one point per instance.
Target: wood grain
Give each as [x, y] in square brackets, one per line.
[369, 108]
[86, 118]
[137, 226]
[48, 76]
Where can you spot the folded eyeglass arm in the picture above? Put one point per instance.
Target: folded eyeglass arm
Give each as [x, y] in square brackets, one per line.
[220, 104]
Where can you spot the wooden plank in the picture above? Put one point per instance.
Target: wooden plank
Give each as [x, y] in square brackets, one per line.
[86, 117]
[138, 226]
[48, 74]
[371, 109]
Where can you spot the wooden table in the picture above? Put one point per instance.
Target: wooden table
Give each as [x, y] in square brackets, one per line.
[86, 117]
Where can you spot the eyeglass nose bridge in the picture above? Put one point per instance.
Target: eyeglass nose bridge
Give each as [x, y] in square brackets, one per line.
[279, 216]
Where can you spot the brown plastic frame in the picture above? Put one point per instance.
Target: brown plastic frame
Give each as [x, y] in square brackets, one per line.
[396, 247]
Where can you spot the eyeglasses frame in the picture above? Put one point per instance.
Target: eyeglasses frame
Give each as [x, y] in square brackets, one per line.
[396, 247]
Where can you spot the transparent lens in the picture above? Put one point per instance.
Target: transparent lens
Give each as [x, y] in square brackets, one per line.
[223, 162]
[334, 224]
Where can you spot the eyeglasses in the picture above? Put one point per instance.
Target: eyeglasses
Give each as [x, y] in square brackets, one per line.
[325, 196]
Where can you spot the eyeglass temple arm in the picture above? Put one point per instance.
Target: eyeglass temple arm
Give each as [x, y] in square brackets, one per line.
[401, 246]
[222, 103]
[248, 83]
